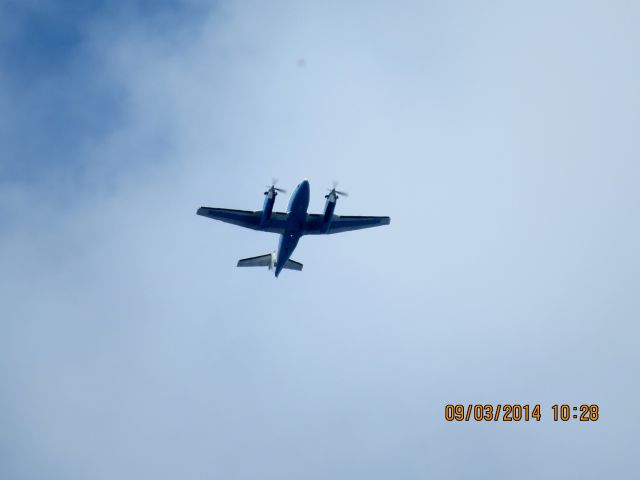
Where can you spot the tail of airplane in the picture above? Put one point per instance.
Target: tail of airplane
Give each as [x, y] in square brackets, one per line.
[293, 265]
[268, 260]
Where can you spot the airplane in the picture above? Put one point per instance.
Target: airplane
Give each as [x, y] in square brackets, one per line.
[291, 225]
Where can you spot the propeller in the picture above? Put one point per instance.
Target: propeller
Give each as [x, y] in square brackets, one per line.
[273, 187]
[336, 192]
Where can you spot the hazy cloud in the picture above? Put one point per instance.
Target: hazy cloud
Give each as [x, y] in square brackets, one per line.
[501, 139]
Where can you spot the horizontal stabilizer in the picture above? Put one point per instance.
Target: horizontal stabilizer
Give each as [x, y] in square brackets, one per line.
[293, 265]
[261, 261]
[268, 260]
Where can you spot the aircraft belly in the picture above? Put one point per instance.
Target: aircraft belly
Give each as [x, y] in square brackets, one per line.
[288, 243]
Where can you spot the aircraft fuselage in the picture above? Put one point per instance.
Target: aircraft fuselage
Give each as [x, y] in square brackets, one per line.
[296, 218]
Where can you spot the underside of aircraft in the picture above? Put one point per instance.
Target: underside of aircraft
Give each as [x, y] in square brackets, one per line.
[291, 225]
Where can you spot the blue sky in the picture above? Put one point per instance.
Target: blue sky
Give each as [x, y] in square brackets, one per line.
[500, 138]
[55, 80]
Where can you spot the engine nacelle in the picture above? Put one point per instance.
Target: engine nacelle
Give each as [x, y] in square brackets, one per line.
[329, 208]
[267, 207]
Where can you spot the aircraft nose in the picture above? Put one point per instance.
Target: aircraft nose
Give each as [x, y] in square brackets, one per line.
[305, 184]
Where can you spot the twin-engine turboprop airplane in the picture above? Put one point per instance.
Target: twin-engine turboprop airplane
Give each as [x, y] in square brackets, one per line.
[291, 225]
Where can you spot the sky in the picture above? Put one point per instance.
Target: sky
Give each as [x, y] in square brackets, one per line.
[500, 137]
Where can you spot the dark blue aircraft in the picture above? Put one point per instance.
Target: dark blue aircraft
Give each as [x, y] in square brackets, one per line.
[291, 225]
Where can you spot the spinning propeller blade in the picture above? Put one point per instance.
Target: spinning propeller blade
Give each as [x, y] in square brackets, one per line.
[274, 181]
[337, 192]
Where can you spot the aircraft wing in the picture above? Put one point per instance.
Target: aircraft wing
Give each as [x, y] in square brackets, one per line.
[342, 223]
[246, 218]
